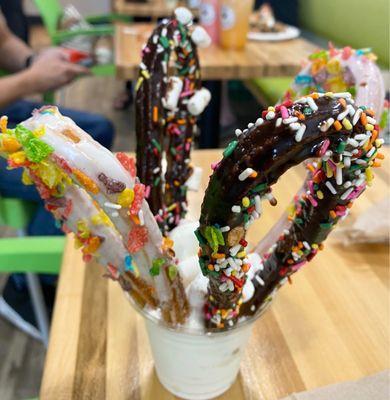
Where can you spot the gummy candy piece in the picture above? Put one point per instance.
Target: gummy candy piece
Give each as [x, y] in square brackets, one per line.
[346, 52]
[333, 66]
[36, 150]
[87, 182]
[71, 135]
[83, 231]
[214, 237]
[113, 271]
[112, 185]
[139, 194]
[101, 218]
[68, 209]
[10, 144]
[303, 79]
[156, 266]
[128, 163]
[92, 245]
[57, 202]
[3, 124]
[39, 132]
[62, 163]
[167, 243]
[26, 179]
[43, 190]
[129, 263]
[137, 239]
[50, 174]
[172, 272]
[126, 198]
[17, 159]
[320, 54]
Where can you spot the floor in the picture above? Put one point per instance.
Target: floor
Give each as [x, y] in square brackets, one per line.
[22, 358]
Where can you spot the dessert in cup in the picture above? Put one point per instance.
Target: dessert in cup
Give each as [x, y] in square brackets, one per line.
[197, 284]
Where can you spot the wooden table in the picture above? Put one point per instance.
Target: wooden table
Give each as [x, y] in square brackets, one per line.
[331, 325]
[258, 59]
[151, 9]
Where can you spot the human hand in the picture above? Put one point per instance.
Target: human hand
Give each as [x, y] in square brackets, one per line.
[51, 70]
[51, 53]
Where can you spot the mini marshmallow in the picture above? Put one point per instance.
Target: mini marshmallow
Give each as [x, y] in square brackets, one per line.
[199, 101]
[200, 37]
[171, 100]
[183, 15]
[193, 182]
[248, 291]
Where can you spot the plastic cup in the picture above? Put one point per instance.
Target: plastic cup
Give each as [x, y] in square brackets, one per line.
[196, 366]
[209, 18]
[235, 23]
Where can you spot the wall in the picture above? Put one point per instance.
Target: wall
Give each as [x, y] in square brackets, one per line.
[359, 23]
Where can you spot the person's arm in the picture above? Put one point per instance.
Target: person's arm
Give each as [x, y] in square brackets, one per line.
[48, 72]
[13, 51]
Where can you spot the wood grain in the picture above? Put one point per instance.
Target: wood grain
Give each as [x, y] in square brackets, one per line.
[330, 325]
[151, 8]
[256, 60]
[90, 382]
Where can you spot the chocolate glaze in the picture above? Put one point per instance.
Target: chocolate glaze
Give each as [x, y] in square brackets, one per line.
[168, 190]
[271, 151]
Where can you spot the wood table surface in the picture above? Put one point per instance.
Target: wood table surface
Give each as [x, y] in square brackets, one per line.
[258, 59]
[330, 325]
[151, 8]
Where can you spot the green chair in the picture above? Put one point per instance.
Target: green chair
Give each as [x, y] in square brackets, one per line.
[268, 91]
[29, 255]
[51, 12]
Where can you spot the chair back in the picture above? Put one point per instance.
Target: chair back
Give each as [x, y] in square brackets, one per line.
[36, 254]
[51, 12]
[16, 213]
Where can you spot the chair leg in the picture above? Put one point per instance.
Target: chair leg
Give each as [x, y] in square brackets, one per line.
[49, 98]
[39, 307]
[3, 281]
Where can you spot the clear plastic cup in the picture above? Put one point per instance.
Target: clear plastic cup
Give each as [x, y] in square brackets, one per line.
[235, 23]
[196, 366]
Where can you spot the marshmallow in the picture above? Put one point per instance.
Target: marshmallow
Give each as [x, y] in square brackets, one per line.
[189, 270]
[183, 15]
[193, 182]
[186, 244]
[174, 88]
[256, 263]
[200, 37]
[199, 101]
[248, 291]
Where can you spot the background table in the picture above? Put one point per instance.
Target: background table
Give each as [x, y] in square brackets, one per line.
[258, 59]
[330, 325]
[151, 9]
